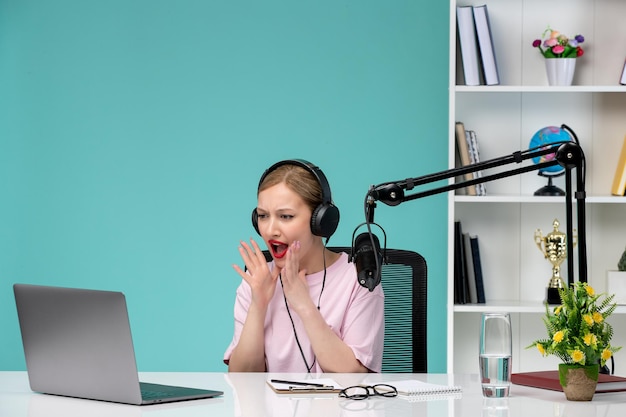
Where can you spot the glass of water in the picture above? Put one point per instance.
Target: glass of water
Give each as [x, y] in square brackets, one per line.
[495, 354]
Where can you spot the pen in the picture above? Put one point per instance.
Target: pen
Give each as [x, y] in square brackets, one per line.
[311, 388]
[307, 384]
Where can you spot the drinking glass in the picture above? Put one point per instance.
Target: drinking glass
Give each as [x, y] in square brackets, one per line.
[495, 354]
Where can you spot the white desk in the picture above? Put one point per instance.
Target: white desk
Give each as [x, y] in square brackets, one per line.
[248, 395]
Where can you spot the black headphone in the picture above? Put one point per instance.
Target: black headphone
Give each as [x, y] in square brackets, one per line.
[325, 217]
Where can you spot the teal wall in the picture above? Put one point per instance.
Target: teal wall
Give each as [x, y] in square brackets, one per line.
[133, 134]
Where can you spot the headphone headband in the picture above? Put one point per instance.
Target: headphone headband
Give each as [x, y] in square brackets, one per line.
[312, 168]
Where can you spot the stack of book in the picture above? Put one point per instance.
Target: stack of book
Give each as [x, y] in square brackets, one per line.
[468, 274]
[476, 42]
[468, 154]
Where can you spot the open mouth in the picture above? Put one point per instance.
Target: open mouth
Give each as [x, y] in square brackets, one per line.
[278, 249]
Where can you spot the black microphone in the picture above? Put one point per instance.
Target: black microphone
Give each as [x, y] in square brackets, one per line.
[368, 260]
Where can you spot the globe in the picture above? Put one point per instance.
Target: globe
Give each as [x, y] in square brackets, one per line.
[545, 137]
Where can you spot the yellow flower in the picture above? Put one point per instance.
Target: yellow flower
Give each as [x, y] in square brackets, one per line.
[557, 310]
[590, 339]
[597, 317]
[590, 290]
[542, 350]
[606, 354]
[588, 319]
[558, 336]
[578, 356]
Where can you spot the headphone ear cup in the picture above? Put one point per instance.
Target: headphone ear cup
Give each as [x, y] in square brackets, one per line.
[255, 221]
[324, 220]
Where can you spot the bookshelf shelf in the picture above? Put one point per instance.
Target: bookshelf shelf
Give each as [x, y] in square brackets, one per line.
[605, 199]
[512, 306]
[505, 117]
[494, 89]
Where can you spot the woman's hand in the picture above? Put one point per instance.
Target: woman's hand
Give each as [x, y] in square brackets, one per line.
[262, 281]
[295, 286]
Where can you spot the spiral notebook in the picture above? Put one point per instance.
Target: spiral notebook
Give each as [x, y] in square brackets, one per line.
[412, 388]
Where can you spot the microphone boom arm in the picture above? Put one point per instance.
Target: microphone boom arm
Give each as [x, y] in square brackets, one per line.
[568, 154]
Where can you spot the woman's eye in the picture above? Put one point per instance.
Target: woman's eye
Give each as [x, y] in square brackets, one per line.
[261, 216]
[286, 216]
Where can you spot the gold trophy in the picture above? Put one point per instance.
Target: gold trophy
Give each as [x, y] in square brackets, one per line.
[554, 247]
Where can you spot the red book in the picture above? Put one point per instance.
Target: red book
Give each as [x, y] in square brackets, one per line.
[550, 380]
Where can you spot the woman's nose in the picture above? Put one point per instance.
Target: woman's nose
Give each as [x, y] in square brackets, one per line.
[272, 226]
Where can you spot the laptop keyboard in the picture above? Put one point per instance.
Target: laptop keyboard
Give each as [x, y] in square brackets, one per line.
[154, 391]
[152, 395]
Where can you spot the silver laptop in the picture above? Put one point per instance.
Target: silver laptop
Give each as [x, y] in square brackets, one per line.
[78, 343]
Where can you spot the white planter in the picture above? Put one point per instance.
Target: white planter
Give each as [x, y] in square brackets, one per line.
[560, 71]
[616, 284]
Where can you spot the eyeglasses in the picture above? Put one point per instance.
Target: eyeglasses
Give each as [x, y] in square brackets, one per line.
[361, 392]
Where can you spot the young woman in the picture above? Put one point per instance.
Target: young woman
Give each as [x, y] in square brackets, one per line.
[304, 311]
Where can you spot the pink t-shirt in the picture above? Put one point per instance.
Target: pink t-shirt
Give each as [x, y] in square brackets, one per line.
[350, 310]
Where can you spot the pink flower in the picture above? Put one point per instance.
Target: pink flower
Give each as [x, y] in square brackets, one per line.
[558, 49]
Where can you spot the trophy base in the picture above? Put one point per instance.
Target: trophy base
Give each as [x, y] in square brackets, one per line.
[553, 296]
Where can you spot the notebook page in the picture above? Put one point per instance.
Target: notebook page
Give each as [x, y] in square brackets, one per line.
[413, 387]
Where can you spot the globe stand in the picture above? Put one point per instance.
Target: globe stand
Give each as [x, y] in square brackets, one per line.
[550, 189]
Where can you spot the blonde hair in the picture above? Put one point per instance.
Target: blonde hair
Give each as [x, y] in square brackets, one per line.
[297, 179]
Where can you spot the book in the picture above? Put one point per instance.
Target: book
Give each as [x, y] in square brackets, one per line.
[469, 268]
[464, 156]
[485, 44]
[622, 79]
[478, 270]
[550, 380]
[305, 386]
[472, 143]
[413, 388]
[459, 260]
[468, 43]
[619, 180]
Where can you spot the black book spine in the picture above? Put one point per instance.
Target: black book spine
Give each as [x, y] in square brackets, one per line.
[478, 270]
[459, 262]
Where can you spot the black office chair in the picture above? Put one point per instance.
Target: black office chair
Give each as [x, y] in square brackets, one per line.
[404, 281]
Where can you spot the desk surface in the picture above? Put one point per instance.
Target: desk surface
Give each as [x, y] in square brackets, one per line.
[247, 394]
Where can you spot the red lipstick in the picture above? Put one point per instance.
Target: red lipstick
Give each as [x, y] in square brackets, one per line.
[278, 249]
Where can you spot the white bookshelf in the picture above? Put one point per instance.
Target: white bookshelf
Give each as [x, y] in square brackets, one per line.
[505, 117]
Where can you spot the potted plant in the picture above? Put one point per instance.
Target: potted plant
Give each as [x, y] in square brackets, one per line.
[560, 52]
[580, 336]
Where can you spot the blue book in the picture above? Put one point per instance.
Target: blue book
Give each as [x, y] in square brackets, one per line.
[478, 270]
[485, 44]
[468, 44]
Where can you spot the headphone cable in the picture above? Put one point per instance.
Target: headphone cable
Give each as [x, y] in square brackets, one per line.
[293, 325]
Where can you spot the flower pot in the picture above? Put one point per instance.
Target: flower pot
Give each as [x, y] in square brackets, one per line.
[560, 71]
[579, 382]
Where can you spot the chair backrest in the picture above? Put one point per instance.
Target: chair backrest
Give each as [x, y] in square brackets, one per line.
[404, 281]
